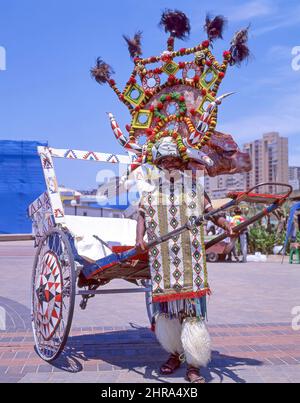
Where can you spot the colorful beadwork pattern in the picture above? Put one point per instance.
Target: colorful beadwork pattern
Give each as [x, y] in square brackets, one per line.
[157, 82]
[178, 267]
[41, 214]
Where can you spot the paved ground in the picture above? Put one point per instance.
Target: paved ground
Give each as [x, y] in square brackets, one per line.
[250, 320]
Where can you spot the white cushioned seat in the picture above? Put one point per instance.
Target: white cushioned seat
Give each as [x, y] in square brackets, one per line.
[113, 231]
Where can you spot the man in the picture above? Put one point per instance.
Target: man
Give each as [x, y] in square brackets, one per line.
[236, 220]
[178, 267]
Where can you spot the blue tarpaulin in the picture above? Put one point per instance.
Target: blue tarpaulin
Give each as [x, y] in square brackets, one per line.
[21, 182]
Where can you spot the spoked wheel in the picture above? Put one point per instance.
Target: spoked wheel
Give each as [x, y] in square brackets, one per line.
[53, 294]
[212, 257]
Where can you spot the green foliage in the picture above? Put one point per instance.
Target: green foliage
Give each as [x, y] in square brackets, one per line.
[262, 240]
[265, 234]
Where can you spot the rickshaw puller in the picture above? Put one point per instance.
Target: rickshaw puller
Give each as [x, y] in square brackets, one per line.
[179, 319]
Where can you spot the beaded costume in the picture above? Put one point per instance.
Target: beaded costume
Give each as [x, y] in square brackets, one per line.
[174, 105]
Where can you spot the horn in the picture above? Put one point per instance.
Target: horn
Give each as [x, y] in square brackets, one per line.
[211, 106]
[121, 138]
[203, 123]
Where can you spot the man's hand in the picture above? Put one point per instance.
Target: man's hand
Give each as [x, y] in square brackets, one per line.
[227, 227]
[140, 245]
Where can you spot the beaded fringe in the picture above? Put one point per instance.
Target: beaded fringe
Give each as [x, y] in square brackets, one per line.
[195, 307]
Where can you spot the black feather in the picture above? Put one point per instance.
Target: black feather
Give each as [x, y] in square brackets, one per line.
[215, 27]
[101, 72]
[239, 47]
[176, 23]
[134, 44]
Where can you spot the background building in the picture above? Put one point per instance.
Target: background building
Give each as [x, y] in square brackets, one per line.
[294, 177]
[269, 157]
[218, 186]
[106, 201]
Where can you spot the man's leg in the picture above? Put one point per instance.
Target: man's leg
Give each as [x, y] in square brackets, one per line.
[234, 251]
[168, 333]
[197, 347]
[244, 247]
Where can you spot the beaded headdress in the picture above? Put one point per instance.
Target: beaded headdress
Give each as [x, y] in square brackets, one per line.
[170, 98]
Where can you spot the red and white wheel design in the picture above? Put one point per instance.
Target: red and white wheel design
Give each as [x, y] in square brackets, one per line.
[49, 295]
[53, 294]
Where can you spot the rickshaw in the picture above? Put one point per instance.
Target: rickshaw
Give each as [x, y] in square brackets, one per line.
[62, 270]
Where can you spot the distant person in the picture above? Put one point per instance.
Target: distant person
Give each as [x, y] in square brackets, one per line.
[232, 252]
[211, 229]
[229, 241]
[238, 219]
[296, 221]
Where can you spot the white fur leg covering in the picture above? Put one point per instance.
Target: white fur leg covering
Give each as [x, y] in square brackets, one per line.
[196, 342]
[168, 333]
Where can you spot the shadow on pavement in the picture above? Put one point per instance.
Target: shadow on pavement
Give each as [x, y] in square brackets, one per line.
[138, 351]
[222, 366]
[14, 316]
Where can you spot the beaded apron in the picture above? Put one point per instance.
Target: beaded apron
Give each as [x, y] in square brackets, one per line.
[178, 266]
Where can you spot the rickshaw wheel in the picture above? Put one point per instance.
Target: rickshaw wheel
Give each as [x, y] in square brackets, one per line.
[212, 257]
[53, 294]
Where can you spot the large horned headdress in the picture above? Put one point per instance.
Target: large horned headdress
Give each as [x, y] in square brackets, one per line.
[174, 100]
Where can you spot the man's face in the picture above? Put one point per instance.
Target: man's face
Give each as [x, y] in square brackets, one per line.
[170, 163]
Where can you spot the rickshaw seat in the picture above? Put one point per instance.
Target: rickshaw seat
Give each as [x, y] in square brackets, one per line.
[113, 231]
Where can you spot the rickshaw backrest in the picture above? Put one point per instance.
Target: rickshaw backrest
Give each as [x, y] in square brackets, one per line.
[114, 231]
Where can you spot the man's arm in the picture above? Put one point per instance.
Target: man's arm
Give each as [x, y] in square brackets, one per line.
[217, 220]
[140, 231]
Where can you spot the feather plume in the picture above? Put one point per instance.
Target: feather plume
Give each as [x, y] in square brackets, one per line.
[176, 23]
[134, 44]
[239, 47]
[215, 27]
[102, 71]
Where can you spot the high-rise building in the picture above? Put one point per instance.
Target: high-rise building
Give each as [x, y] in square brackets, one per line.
[269, 157]
[294, 177]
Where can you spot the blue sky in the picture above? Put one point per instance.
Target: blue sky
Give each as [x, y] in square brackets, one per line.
[46, 92]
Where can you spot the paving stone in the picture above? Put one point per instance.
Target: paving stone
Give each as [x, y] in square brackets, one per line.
[35, 378]
[30, 369]
[14, 370]
[22, 354]
[3, 369]
[10, 379]
[105, 367]
[44, 368]
[8, 354]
